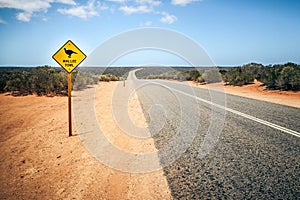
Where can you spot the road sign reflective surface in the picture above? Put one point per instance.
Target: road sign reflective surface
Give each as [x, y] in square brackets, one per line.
[69, 56]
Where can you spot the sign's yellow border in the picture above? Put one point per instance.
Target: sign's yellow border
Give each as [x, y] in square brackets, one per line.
[61, 48]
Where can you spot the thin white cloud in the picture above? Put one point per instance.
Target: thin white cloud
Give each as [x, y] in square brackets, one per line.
[151, 3]
[24, 16]
[84, 11]
[182, 2]
[146, 6]
[69, 2]
[139, 6]
[29, 7]
[26, 6]
[140, 2]
[168, 18]
[2, 21]
[147, 23]
[117, 1]
[128, 10]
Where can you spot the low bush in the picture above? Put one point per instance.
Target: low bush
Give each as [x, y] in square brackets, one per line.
[282, 77]
[109, 77]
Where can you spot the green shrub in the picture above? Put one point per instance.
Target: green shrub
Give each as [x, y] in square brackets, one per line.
[84, 79]
[238, 76]
[289, 78]
[108, 77]
[200, 79]
[282, 77]
[43, 80]
[212, 76]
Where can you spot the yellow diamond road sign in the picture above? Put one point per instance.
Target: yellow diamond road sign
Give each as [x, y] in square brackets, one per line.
[69, 56]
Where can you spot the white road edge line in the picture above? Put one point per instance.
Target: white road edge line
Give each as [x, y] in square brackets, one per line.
[275, 126]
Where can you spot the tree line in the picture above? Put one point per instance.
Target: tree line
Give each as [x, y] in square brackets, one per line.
[46, 80]
[281, 77]
[50, 81]
[42, 80]
[201, 76]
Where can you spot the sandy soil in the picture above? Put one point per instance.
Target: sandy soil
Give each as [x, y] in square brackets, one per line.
[135, 186]
[39, 161]
[257, 91]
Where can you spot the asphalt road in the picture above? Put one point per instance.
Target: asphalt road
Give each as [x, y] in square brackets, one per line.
[216, 146]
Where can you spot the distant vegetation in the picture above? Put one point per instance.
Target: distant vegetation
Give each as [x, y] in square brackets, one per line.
[40, 80]
[46, 80]
[109, 77]
[201, 76]
[281, 77]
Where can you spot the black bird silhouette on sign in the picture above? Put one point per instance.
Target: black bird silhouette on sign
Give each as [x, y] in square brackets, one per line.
[69, 52]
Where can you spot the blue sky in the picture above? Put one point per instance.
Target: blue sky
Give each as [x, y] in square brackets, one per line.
[232, 32]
